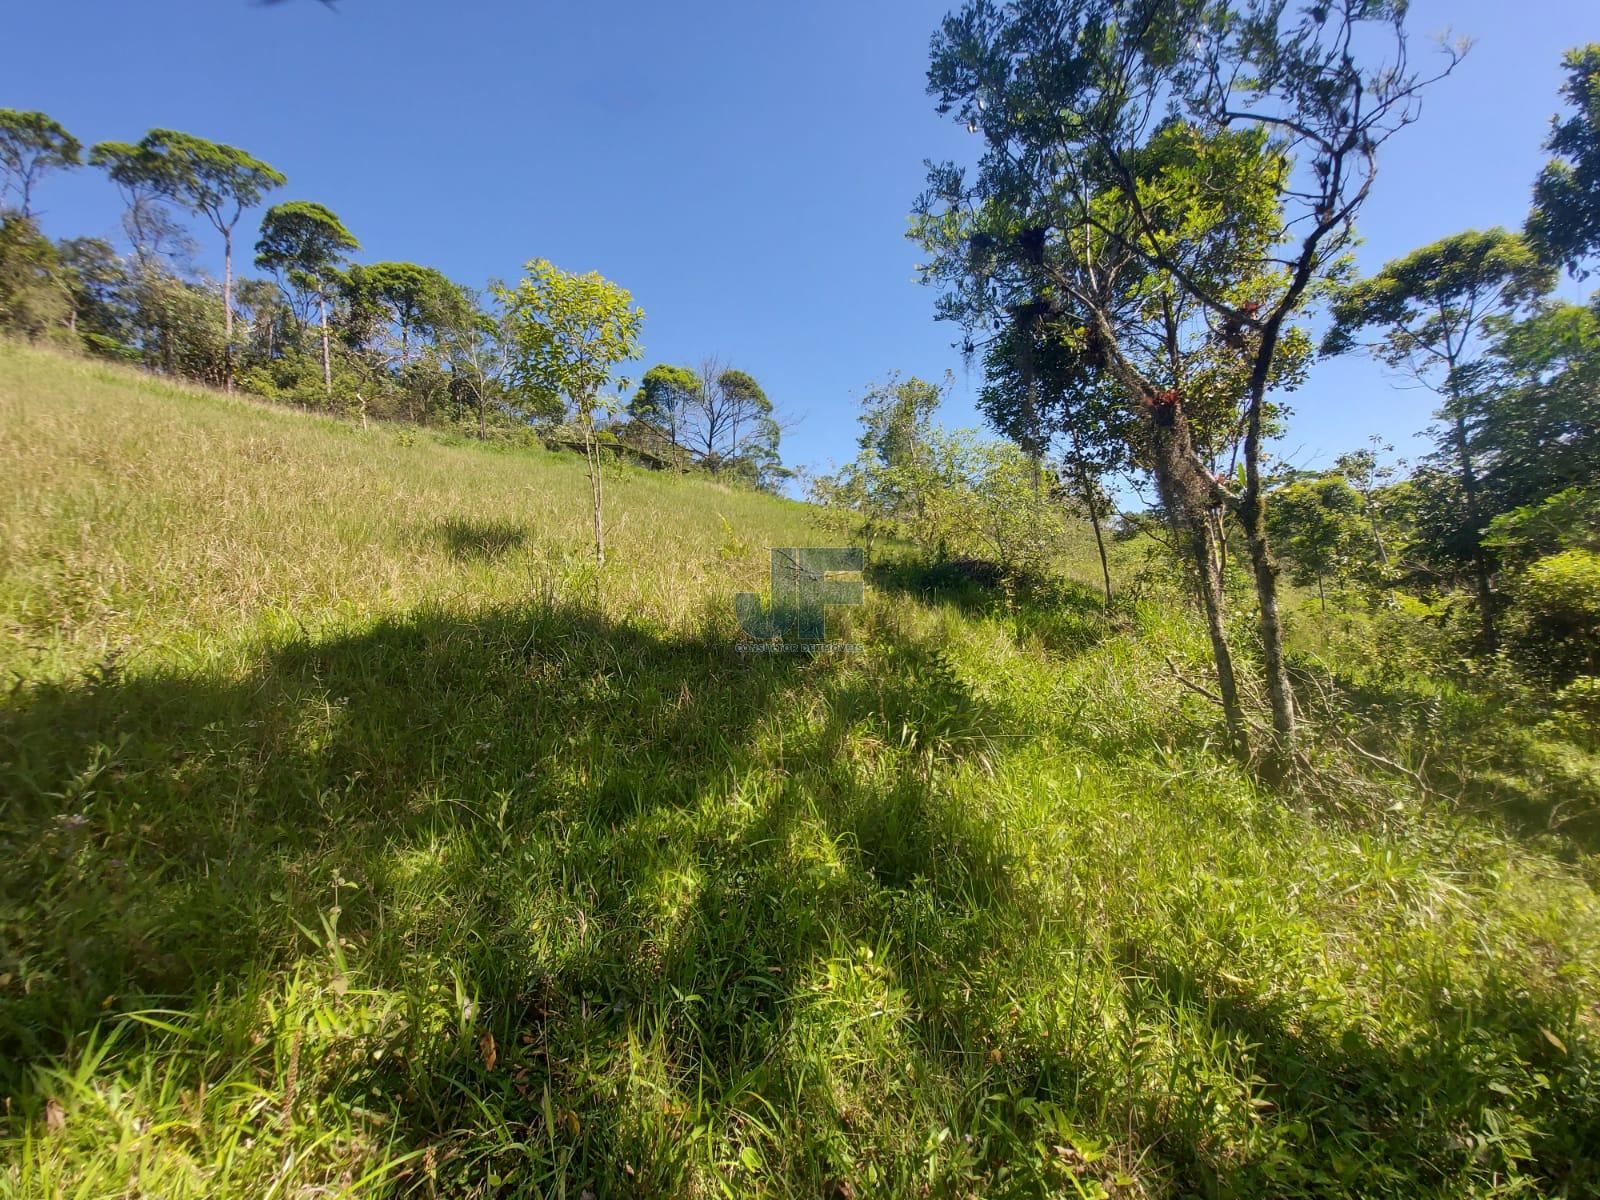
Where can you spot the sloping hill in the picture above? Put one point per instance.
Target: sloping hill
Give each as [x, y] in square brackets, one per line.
[360, 839]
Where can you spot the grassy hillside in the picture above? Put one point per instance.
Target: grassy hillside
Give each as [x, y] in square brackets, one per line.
[358, 839]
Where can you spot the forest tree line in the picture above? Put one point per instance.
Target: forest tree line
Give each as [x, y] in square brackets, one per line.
[321, 330]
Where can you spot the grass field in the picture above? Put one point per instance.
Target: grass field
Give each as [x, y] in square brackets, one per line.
[360, 839]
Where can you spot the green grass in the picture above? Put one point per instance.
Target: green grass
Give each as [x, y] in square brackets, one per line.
[360, 840]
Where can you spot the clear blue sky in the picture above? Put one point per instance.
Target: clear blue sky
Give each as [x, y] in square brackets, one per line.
[744, 168]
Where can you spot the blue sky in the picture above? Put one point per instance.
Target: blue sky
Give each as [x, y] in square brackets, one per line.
[745, 169]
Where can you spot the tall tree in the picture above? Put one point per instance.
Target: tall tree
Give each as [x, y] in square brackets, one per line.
[270, 318]
[411, 295]
[749, 410]
[570, 333]
[663, 398]
[98, 283]
[723, 401]
[1320, 524]
[1203, 156]
[32, 144]
[476, 342]
[1430, 311]
[1539, 411]
[1369, 477]
[214, 180]
[1564, 225]
[140, 177]
[304, 243]
[1137, 332]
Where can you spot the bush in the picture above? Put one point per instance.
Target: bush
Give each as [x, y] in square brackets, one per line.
[34, 302]
[1556, 614]
[1577, 716]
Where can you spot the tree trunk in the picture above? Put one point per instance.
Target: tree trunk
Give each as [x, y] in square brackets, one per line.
[1322, 596]
[327, 361]
[1252, 516]
[1488, 634]
[483, 417]
[1204, 559]
[595, 497]
[227, 309]
[1273, 666]
[1187, 504]
[1093, 502]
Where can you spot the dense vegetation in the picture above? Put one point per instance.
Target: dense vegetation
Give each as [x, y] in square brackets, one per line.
[387, 808]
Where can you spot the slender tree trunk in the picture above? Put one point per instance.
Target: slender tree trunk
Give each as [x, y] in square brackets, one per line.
[595, 497]
[1205, 561]
[1274, 668]
[227, 309]
[1252, 516]
[483, 417]
[1488, 634]
[327, 360]
[1377, 535]
[1322, 596]
[1092, 501]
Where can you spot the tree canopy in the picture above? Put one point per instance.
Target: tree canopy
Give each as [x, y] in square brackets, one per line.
[1564, 224]
[32, 144]
[303, 240]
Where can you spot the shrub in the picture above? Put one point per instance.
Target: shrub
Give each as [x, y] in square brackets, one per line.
[1556, 614]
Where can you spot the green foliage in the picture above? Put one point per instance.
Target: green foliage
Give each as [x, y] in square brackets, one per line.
[1320, 525]
[1430, 311]
[1565, 221]
[413, 294]
[1173, 184]
[896, 418]
[179, 326]
[98, 282]
[304, 243]
[884, 491]
[1568, 520]
[1429, 307]
[1556, 612]
[34, 303]
[215, 180]
[951, 493]
[986, 500]
[1577, 715]
[32, 144]
[570, 332]
[664, 394]
[1536, 422]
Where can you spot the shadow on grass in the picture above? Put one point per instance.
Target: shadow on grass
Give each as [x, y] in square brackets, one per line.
[1346, 1111]
[1479, 754]
[470, 540]
[1061, 615]
[683, 889]
[605, 834]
